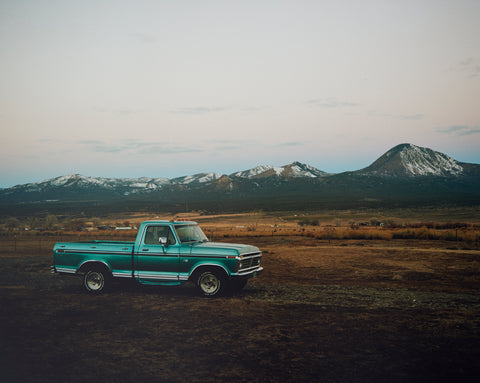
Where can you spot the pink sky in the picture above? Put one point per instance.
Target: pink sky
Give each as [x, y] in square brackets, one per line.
[166, 89]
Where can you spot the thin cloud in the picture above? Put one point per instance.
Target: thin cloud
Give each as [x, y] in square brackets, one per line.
[199, 110]
[459, 130]
[413, 117]
[251, 109]
[231, 144]
[103, 147]
[418, 116]
[330, 103]
[90, 142]
[118, 112]
[228, 147]
[288, 144]
[49, 140]
[137, 147]
[236, 141]
[165, 149]
[471, 66]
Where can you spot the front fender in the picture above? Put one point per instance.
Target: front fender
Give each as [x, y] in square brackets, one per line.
[207, 265]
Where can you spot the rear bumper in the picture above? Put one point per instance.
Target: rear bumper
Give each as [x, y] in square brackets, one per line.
[62, 270]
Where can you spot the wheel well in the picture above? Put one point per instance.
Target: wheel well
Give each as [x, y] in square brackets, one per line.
[203, 268]
[94, 265]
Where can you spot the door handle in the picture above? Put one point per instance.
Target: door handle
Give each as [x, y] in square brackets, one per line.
[144, 249]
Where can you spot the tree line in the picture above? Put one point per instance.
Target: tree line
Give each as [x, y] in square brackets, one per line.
[50, 222]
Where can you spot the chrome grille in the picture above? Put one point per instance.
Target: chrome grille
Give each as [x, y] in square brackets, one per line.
[250, 261]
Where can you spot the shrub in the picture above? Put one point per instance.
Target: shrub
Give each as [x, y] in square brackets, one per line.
[309, 222]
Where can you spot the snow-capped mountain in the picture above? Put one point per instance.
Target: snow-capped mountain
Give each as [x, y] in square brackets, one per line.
[295, 169]
[407, 160]
[196, 178]
[79, 186]
[259, 172]
[298, 169]
[79, 181]
[394, 175]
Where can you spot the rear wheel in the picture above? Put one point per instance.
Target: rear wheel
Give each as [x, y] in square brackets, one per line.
[95, 281]
[211, 283]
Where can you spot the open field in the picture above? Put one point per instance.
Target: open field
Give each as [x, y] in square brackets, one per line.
[326, 309]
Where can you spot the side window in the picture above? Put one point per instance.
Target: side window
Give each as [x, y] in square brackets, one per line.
[153, 234]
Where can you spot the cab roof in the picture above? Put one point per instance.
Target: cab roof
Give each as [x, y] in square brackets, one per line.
[171, 222]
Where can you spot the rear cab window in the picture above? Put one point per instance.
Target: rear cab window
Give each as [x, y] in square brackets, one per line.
[154, 233]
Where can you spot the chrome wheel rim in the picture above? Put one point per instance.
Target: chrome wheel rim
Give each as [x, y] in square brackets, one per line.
[209, 283]
[94, 280]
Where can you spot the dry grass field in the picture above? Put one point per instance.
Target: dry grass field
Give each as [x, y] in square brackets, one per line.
[335, 304]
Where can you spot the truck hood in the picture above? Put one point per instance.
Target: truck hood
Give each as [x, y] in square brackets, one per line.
[220, 248]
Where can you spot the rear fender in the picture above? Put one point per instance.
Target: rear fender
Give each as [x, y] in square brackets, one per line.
[89, 265]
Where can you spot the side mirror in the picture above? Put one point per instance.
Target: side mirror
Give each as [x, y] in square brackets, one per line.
[163, 241]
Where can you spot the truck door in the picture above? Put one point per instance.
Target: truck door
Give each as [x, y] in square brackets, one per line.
[154, 262]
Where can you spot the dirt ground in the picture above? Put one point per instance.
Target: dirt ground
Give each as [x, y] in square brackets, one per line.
[323, 311]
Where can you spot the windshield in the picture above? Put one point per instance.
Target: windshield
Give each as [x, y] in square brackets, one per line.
[190, 233]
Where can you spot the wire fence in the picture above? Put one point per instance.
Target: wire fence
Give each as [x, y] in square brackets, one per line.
[43, 242]
[20, 243]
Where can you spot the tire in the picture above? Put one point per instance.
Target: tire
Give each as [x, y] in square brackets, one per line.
[95, 281]
[211, 283]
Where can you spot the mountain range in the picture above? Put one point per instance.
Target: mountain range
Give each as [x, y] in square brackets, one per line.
[406, 174]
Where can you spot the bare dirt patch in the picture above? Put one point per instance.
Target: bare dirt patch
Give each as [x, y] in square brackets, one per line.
[326, 311]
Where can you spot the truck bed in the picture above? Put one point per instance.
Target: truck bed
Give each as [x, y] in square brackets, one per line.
[69, 256]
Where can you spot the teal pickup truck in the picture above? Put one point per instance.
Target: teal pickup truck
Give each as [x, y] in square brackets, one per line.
[164, 253]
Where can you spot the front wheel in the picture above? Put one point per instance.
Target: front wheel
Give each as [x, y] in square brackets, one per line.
[95, 281]
[211, 283]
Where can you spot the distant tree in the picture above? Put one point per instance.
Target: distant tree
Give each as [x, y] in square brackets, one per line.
[12, 223]
[309, 222]
[256, 216]
[50, 222]
[75, 224]
[32, 222]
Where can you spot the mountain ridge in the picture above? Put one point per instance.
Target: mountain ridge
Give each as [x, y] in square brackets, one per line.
[404, 173]
[402, 160]
[295, 169]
